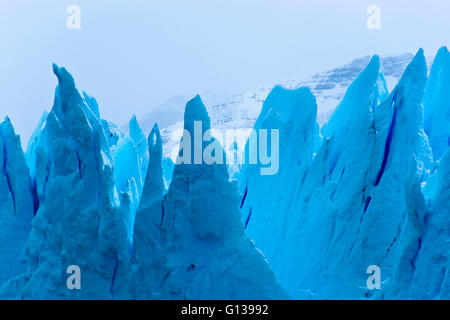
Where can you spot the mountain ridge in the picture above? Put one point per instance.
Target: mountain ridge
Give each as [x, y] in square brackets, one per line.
[242, 109]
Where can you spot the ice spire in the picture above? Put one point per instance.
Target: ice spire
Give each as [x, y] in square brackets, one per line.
[291, 114]
[16, 203]
[140, 141]
[437, 104]
[149, 255]
[206, 253]
[80, 221]
[424, 272]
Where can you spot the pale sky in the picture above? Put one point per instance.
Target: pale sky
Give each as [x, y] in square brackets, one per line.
[132, 55]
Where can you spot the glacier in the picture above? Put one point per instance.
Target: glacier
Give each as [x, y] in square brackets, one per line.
[89, 186]
[436, 104]
[198, 246]
[332, 215]
[17, 204]
[366, 186]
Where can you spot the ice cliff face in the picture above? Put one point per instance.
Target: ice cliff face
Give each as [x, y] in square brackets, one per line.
[80, 220]
[425, 253]
[327, 191]
[149, 242]
[198, 246]
[366, 187]
[348, 208]
[268, 199]
[87, 185]
[17, 204]
[436, 104]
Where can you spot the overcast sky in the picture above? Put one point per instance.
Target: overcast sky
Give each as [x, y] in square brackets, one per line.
[132, 55]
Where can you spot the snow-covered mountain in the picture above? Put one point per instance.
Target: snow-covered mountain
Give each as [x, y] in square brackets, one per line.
[242, 110]
[172, 110]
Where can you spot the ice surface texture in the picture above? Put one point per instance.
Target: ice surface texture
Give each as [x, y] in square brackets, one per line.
[367, 187]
